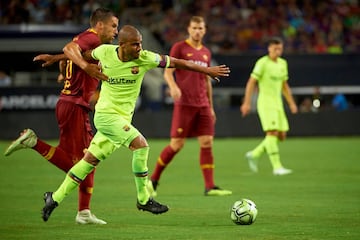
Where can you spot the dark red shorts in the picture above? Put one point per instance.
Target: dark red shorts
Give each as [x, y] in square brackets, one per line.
[189, 121]
[75, 129]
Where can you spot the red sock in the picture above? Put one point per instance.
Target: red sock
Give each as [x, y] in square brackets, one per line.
[207, 167]
[85, 191]
[165, 158]
[55, 155]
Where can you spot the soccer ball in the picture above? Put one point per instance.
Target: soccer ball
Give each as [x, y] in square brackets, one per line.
[243, 212]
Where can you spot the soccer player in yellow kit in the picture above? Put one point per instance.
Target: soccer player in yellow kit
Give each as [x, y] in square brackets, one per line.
[72, 109]
[123, 67]
[271, 75]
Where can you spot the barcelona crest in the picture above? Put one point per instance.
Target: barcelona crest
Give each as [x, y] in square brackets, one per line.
[135, 70]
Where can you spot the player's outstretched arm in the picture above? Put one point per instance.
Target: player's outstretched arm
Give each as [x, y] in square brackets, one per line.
[214, 71]
[49, 59]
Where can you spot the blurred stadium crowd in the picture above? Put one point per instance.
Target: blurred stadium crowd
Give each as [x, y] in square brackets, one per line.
[234, 26]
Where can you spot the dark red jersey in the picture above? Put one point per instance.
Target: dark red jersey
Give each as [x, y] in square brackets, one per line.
[78, 85]
[192, 84]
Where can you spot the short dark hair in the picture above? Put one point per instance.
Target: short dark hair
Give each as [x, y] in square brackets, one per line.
[99, 15]
[275, 40]
[197, 19]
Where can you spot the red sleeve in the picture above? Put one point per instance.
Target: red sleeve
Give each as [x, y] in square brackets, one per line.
[87, 40]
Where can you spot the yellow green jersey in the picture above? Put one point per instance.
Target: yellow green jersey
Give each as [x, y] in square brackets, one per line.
[119, 93]
[270, 76]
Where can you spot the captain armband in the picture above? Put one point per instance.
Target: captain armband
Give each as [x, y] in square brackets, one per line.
[164, 62]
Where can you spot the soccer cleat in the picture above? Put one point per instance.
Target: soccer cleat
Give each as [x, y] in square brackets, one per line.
[282, 171]
[50, 205]
[253, 163]
[152, 206]
[151, 187]
[216, 191]
[86, 217]
[27, 139]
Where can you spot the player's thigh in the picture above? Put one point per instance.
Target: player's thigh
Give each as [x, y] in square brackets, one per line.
[75, 129]
[269, 119]
[283, 122]
[204, 124]
[116, 128]
[101, 147]
[182, 121]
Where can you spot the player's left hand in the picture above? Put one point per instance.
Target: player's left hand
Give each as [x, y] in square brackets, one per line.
[47, 58]
[218, 71]
[293, 108]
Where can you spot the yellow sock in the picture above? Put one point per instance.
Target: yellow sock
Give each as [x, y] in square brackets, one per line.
[140, 170]
[272, 150]
[259, 150]
[72, 179]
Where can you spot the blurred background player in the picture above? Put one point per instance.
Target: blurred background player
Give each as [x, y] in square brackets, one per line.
[125, 65]
[270, 73]
[193, 112]
[73, 107]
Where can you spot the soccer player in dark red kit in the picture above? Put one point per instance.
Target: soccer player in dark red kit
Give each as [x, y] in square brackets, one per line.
[73, 107]
[193, 113]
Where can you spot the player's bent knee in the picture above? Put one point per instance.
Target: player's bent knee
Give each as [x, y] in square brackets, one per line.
[91, 159]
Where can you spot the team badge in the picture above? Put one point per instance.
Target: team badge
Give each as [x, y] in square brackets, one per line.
[189, 54]
[179, 130]
[205, 57]
[126, 128]
[135, 70]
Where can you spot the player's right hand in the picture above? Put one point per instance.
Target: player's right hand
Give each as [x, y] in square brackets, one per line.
[245, 109]
[175, 93]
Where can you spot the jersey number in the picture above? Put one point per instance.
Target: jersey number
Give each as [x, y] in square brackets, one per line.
[68, 75]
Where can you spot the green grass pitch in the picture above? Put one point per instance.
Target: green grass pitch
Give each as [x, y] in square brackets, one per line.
[320, 200]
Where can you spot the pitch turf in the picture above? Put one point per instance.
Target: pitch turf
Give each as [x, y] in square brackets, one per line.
[321, 200]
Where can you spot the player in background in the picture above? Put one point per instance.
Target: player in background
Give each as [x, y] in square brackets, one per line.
[270, 73]
[125, 65]
[193, 112]
[73, 107]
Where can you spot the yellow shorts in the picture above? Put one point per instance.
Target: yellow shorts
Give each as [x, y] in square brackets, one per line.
[113, 131]
[273, 119]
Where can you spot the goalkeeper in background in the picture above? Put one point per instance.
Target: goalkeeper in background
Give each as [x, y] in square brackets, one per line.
[270, 74]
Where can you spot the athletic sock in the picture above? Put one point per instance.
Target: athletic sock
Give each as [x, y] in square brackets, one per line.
[72, 179]
[207, 167]
[140, 170]
[165, 158]
[85, 191]
[272, 149]
[258, 150]
[54, 155]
